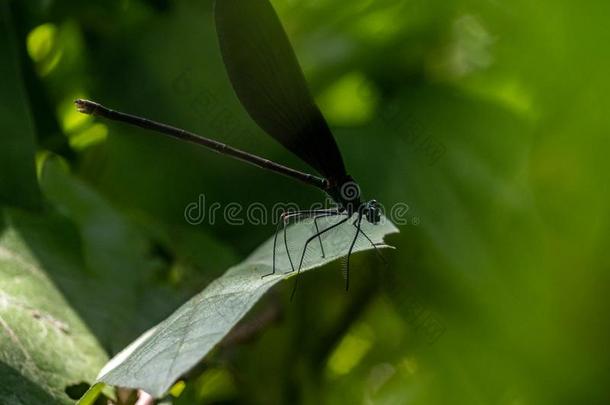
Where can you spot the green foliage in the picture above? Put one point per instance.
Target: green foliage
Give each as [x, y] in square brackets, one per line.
[164, 353]
[45, 345]
[489, 119]
[113, 252]
[17, 174]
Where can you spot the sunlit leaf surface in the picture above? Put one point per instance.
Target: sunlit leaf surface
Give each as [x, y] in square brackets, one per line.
[161, 355]
[44, 346]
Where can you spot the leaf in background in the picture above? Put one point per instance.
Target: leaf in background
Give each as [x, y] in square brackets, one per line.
[18, 186]
[105, 267]
[44, 345]
[161, 355]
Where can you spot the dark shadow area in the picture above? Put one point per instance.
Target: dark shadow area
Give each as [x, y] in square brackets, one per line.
[22, 391]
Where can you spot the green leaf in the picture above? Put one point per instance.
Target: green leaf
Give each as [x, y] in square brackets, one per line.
[18, 185]
[92, 394]
[161, 355]
[44, 345]
[113, 263]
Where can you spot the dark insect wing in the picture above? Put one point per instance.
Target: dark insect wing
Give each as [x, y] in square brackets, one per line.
[270, 84]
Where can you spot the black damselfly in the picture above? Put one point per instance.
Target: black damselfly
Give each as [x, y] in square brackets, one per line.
[267, 79]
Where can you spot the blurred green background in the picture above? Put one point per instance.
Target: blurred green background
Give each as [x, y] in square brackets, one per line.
[488, 118]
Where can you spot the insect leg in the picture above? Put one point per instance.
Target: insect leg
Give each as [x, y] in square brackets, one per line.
[351, 248]
[305, 249]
